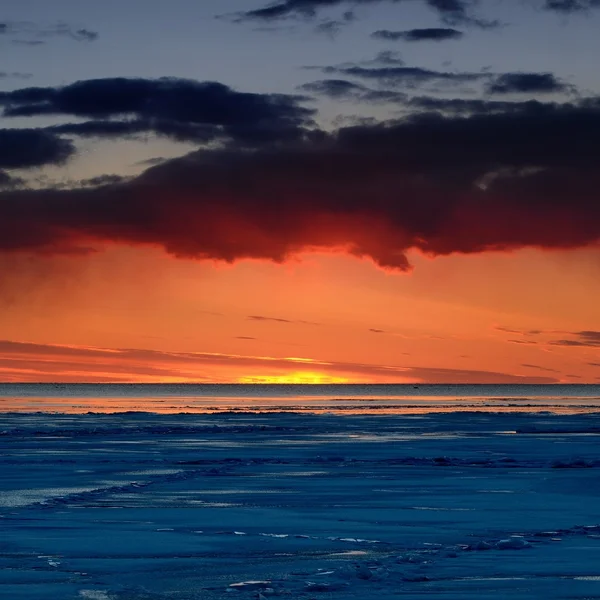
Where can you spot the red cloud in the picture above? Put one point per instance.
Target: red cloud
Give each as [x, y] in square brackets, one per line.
[441, 186]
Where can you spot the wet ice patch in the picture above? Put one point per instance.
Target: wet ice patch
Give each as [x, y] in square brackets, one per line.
[94, 595]
[249, 586]
[20, 498]
[513, 543]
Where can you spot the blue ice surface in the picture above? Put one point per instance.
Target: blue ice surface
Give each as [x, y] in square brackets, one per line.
[142, 506]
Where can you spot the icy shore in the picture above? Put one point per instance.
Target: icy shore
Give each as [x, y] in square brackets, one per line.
[142, 506]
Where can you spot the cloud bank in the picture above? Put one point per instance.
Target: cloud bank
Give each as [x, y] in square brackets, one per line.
[270, 184]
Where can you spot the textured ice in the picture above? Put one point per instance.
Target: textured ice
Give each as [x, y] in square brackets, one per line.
[122, 507]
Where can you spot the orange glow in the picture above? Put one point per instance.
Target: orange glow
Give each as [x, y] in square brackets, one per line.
[319, 319]
[297, 377]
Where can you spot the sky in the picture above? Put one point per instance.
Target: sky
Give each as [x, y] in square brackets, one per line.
[303, 191]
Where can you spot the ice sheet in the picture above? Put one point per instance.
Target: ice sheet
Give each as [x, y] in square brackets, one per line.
[456, 505]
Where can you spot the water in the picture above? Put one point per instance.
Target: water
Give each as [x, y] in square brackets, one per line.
[339, 398]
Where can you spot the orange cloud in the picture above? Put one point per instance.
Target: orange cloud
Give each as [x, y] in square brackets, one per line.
[20, 361]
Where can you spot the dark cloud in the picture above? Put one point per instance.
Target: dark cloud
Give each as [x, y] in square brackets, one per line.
[101, 180]
[278, 320]
[341, 89]
[519, 331]
[592, 337]
[372, 330]
[244, 337]
[582, 339]
[28, 42]
[530, 83]
[298, 8]
[14, 74]
[181, 109]
[26, 148]
[452, 12]
[507, 329]
[34, 33]
[409, 77]
[332, 27]
[85, 35]
[440, 185]
[396, 74]
[261, 318]
[540, 368]
[593, 364]
[459, 12]
[9, 181]
[462, 106]
[385, 57]
[571, 6]
[435, 34]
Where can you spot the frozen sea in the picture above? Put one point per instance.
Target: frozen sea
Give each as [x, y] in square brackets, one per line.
[340, 398]
[337, 492]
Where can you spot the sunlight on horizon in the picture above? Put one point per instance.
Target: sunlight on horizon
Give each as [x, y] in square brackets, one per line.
[297, 377]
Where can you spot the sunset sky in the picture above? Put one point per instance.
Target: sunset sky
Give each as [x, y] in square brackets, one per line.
[300, 191]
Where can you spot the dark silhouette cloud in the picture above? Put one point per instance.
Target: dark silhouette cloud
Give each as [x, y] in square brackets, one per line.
[9, 181]
[373, 330]
[332, 27]
[571, 6]
[345, 90]
[101, 180]
[14, 75]
[26, 148]
[590, 336]
[244, 337]
[85, 35]
[465, 106]
[452, 12]
[409, 77]
[278, 320]
[520, 331]
[181, 109]
[582, 339]
[385, 57]
[341, 89]
[28, 42]
[432, 34]
[540, 368]
[35, 34]
[441, 185]
[261, 318]
[532, 83]
[507, 329]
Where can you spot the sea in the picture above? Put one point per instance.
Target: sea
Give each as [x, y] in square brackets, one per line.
[307, 398]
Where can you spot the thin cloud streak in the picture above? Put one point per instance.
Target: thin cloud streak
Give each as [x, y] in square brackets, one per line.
[47, 362]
